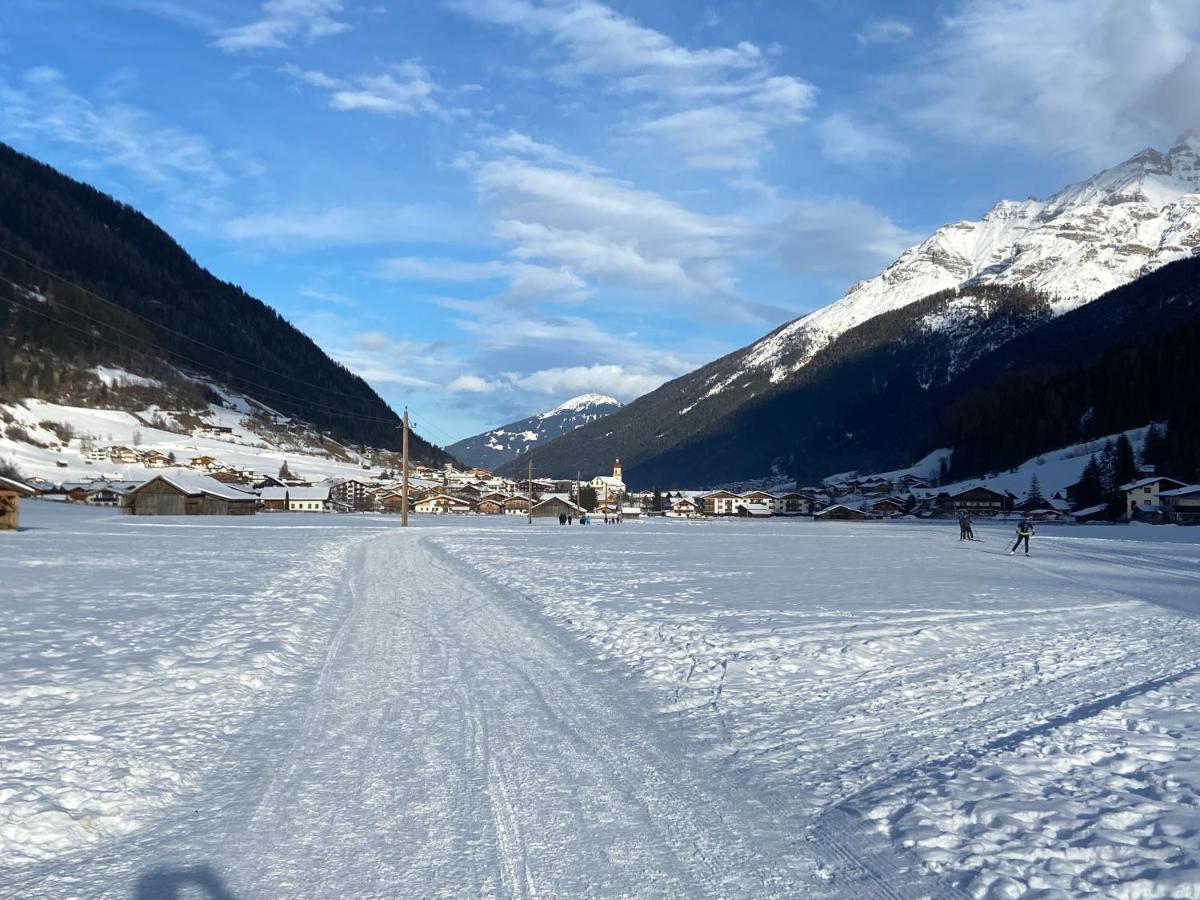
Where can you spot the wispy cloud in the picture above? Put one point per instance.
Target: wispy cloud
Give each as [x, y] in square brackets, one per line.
[112, 133]
[689, 91]
[281, 21]
[1088, 79]
[885, 31]
[362, 223]
[846, 140]
[403, 89]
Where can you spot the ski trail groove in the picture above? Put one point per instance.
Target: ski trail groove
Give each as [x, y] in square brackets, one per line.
[456, 744]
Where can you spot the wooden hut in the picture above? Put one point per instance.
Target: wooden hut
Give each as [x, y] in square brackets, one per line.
[11, 492]
[554, 506]
[190, 495]
[490, 506]
[842, 513]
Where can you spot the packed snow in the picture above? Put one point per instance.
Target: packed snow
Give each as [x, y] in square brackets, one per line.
[303, 705]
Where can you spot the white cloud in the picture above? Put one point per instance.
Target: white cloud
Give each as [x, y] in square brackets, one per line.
[689, 90]
[404, 89]
[281, 21]
[348, 225]
[836, 237]
[112, 133]
[1088, 79]
[845, 140]
[471, 384]
[623, 382]
[885, 31]
[525, 281]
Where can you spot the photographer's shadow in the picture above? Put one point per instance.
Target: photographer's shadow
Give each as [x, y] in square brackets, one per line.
[183, 883]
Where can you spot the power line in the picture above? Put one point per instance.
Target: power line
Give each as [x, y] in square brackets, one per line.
[306, 403]
[164, 328]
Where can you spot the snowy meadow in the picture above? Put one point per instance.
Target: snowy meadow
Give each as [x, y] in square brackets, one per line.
[906, 714]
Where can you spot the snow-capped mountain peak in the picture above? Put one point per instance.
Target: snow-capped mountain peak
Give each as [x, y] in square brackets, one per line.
[498, 446]
[1085, 240]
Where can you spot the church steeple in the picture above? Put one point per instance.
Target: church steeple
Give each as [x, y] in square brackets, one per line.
[617, 470]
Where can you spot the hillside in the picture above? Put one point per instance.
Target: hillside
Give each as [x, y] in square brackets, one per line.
[160, 311]
[739, 416]
[508, 442]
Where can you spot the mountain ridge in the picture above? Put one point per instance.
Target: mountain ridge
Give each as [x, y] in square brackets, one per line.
[1087, 238]
[502, 445]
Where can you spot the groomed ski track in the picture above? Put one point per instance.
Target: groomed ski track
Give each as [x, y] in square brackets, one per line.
[457, 743]
[456, 746]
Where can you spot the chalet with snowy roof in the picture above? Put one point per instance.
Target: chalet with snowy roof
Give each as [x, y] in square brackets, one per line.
[190, 495]
[719, 503]
[203, 462]
[441, 505]
[683, 508]
[887, 506]
[12, 492]
[842, 513]
[152, 459]
[1182, 504]
[517, 505]
[125, 455]
[94, 454]
[355, 492]
[875, 487]
[490, 506]
[796, 504]
[763, 498]
[554, 506]
[753, 509]
[1097, 513]
[981, 500]
[1142, 497]
[297, 499]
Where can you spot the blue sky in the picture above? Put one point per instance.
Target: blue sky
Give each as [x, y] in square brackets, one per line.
[487, 206]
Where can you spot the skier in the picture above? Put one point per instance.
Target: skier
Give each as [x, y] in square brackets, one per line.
[1024, 533]
[962, 529]
[969, 532]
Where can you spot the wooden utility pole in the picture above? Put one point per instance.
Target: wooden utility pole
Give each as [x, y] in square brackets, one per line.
[529, 483]
[404, 464]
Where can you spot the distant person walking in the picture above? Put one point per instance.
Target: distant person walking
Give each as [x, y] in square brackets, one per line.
[1024, 533]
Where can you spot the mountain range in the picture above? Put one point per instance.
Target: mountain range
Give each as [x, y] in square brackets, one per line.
[865, 380]
[508, 442]
[87, 281]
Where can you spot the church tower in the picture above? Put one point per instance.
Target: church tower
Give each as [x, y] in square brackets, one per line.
[617, 470]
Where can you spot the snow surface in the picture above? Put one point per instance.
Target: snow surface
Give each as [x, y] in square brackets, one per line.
[313, 706]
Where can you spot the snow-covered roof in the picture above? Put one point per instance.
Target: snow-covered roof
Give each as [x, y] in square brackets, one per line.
[202, 484]
[1153, 479]
[294, 493]
[1185, 491]
[19, 486]
[1091, 510]
[562, 498]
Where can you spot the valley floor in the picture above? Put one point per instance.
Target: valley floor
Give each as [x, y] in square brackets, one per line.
[313, 706]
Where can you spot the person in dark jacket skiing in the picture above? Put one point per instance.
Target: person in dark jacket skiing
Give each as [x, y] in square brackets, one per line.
[1024, 533]
[968, 531]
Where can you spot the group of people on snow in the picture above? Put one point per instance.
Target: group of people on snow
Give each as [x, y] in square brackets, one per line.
[1024, 531]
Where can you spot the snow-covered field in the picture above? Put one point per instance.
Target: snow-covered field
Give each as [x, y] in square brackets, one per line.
[301, 705]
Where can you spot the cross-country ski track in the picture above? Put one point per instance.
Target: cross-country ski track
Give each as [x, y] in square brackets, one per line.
[473, 724]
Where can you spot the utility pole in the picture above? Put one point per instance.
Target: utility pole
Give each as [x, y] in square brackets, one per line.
[529, 483]
[404, 464]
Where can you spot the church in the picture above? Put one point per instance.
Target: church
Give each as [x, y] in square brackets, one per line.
[609, 488]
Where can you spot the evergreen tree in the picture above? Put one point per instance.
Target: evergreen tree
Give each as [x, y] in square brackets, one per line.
[1035, 488]
[587, 498]
[284, 471]
[943, 472]
[1108, 464]
[1124, 462]
[656, 504]
[1090, 489]
[1152, 447]
[171, 457]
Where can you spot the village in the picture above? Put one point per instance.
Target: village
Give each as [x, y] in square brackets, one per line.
[202, 485]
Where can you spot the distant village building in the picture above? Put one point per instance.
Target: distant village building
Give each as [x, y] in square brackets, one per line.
[122, 454]
[1182, 504]
[796, 504]
[982, 500]
[202, 462]
[554, 506]
[190, 495]
[609, 488]
[490, 506]
[719, 503]
[296, 499]
[11, 493]
[354, 492]
[442, 504]
[683, 508]
[1142, 497]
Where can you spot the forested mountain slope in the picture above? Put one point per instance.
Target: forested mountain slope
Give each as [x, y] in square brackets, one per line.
[165, 310]
[500, 445]
[715, 425]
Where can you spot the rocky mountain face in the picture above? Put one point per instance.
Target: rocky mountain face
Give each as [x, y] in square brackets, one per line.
[504, 444]
[1069, 249]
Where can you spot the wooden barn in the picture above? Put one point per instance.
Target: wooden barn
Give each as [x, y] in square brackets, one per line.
[490, 506]
[11, 492]
[190, 495]
[554, 506]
